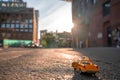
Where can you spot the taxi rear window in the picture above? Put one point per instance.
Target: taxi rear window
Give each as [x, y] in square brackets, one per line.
[86, 63]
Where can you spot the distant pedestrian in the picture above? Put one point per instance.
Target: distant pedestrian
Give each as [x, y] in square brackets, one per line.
[118, 39]
[81, 44]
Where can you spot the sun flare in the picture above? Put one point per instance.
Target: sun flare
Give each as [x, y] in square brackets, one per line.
[60, 20]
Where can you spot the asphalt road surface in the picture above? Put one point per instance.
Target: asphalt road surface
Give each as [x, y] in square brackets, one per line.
[47, 64]
[108, 60]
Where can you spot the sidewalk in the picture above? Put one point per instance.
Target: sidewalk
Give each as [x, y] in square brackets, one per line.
[108, 60]
[113, 54]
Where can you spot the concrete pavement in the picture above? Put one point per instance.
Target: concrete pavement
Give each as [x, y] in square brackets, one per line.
[36, 64]
[55, 64]
[108, 60]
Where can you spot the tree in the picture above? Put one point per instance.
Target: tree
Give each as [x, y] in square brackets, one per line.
[49, 40]
[44, 43]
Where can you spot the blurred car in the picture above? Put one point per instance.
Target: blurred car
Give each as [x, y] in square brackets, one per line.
[41, 46]
[32, 45]
[85, 65]
[29, 46]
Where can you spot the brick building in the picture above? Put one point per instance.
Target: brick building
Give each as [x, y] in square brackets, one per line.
[96, 22]
[17, 23]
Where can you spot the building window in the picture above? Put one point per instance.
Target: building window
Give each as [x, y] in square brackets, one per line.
[106, 8]
[30, 30]
[21, 26]
[17, 21]
[21, 30]
[3, 25]
[13, 21]
[17, 29]
[30, 21]
[12, 25]
[7, 25]
[26, 21]
[17, 25]
[3, 5]
[30, 25]
[16, 5]
[26, 25]
[26, 30]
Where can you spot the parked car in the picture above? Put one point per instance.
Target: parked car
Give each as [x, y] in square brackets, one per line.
[32, 45]
[85, 65]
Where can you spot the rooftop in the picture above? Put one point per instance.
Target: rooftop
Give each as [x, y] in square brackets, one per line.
[10, 5]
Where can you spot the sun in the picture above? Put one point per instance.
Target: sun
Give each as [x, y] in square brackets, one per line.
[63, 19]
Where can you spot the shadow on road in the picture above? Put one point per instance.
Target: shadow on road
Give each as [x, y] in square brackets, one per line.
[84, 76]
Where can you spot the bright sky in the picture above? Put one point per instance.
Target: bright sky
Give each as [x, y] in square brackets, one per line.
[54, 14]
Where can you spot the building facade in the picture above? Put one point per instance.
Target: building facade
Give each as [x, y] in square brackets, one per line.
[37, 25]
[17, 24]
[96, 22]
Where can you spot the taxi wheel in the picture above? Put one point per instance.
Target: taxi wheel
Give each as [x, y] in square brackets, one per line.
[80, 71]
[74, 69]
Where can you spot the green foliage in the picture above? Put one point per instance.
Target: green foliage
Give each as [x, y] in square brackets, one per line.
[63, 43]
[49, 40]
[44, 43]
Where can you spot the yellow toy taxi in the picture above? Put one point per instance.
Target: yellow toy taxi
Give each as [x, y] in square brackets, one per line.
[85, 65]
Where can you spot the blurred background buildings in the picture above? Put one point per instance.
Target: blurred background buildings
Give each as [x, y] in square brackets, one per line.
[96, 22]
[18, 24]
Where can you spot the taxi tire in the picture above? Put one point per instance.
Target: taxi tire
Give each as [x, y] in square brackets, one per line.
[80, 72]
[77, 71]
[74, 69]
